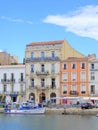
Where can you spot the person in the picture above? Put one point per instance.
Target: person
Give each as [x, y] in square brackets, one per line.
[78, 103]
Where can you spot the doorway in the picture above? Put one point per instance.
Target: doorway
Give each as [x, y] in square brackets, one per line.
[42, 97]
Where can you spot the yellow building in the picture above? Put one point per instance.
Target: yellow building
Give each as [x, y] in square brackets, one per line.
[42, 62]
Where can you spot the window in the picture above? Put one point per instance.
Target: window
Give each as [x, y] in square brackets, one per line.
[42, 55]
[92, 76]
[42, 82]
[73, 66]
[21, 78]
[52, 68]
[21, 88]
[73, 76]
[4, 76]
[42, 68]
[53, 54]
[32, 82]
[53, 83]
[83, 76]
[12, 88]
[12, 76]
[92, 66]
[65, 66]
[82, 65]
[32, 68]
[83, 88]
[73, 88]
[64, 76]
[92, 89]
[5, 88]
[65, 89]
[32, 54]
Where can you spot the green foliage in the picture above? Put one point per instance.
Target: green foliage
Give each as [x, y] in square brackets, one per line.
[14, 63]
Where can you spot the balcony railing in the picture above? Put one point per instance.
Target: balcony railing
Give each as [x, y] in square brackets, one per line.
[32, 87]
[94, 69]
[42, 73]
[12, 80]
[72, 92]
[5, 80]
[12, 92]
[42, 59]
[53, 86]
[21, 80]
[8, 80]
[45, 87]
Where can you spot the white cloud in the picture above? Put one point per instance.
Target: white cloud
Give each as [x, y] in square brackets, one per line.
[83, 22]
[15, 20]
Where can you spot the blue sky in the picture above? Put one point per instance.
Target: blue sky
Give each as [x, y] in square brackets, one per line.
[26, 21]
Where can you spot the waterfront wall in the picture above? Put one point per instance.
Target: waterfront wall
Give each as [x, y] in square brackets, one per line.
[76, 111]
[1, 110]
[68, 111]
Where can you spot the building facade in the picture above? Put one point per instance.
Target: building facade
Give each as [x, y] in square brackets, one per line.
[42, 61]
[7, 59]
[12, 82]
[74, 77]
[93, 77]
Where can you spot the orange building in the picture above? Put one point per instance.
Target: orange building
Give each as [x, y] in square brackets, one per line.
[74, 77]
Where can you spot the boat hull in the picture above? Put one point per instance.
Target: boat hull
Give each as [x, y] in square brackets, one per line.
[30, 111]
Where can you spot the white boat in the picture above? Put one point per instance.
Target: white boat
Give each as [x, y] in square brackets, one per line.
[25, 108]
[26, 111]
[97, 115]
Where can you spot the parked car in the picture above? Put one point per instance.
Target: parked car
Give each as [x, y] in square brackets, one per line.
[86, 105]
[96, 104]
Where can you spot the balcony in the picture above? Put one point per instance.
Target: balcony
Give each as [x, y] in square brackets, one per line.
[12, 80]
[38, 73]
[36, 59]
[5, 81]
[53, 86]
[93, 69]
[64, 92]
[32, 87]
[45, 87]
[73, 93]
[21, 80]
[83, 92]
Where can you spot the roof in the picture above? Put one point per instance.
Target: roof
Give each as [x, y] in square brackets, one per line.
[46, 43]
[76, 59]
[94, 61]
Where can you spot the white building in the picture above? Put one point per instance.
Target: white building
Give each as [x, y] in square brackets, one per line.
[12, 81]
[93, 77]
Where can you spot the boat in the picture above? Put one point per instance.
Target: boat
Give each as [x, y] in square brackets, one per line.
[97, 115]
[25, 108]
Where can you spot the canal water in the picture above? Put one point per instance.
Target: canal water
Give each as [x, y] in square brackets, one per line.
[48, 122]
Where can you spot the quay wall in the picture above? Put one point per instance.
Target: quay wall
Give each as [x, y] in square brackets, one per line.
[76, 111]
[1, 110]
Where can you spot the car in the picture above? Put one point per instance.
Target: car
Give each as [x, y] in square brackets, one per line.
[96, 104]
[86, 105]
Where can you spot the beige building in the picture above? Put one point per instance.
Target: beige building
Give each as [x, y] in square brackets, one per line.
[42, 62]
[7, 59]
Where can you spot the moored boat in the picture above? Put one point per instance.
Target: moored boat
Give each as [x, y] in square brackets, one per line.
[97, 115]
[25, 108]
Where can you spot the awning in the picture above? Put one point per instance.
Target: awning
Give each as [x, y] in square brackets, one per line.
[2, 97]
[13, 95]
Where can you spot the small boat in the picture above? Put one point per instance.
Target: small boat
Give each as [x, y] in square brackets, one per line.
[25, 108]
[97, 115]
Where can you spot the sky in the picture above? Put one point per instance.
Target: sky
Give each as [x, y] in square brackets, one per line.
[26, 21]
